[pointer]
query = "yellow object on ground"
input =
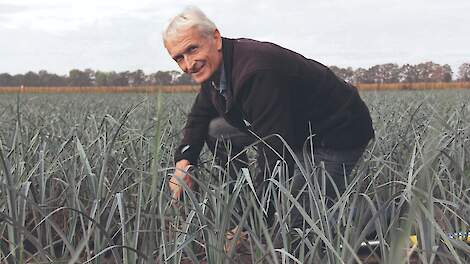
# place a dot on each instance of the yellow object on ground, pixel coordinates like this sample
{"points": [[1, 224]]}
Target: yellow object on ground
{"points": [[463, 236]]}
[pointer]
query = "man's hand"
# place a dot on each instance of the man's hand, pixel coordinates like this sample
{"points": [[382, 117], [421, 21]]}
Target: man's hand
{"points": [[181, 172]]}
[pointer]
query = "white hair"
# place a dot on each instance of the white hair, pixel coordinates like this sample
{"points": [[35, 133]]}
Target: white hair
{"points": [[190, 17]]}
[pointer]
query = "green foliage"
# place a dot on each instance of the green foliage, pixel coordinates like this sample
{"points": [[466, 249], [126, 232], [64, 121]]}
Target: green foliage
{"points": [[84, 179]]}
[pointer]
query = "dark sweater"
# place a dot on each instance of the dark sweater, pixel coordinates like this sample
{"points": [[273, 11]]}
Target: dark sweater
{"points": [[273, 90]]}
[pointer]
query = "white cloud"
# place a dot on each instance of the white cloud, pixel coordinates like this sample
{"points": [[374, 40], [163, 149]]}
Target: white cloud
{"points": [[124, 34]]}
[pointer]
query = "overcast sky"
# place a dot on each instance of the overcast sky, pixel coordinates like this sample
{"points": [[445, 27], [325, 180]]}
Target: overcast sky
{"points": [[60, 35]]}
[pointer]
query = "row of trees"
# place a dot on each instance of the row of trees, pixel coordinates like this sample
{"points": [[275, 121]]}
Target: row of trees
{"points": [[408, 73], [383, 73], [89, 77]]}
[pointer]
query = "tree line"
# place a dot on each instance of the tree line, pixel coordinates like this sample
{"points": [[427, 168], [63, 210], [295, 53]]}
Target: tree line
{"points": [[89, 77], [407, 73], [383, 73]]}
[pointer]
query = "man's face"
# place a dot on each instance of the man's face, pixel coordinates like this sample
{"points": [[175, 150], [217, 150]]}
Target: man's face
{"points": [[195, 53]]}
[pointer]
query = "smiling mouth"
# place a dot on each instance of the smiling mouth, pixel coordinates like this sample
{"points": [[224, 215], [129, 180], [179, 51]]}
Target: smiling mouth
{"points": [[197, 68]]}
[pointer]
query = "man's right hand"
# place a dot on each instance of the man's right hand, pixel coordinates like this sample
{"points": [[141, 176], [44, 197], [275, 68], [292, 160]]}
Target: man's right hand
{"points": [[181, 173]]}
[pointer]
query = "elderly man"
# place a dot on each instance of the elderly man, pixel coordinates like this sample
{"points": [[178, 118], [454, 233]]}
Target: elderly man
{"points": [[251, 90]]}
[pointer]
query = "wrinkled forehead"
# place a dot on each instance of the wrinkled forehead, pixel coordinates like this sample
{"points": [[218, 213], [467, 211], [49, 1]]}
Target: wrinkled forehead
{"points": [[182, 32], [190, 34]]}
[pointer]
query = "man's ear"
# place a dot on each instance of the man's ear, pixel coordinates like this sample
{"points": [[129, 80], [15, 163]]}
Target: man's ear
{"points": [[218, 39]]}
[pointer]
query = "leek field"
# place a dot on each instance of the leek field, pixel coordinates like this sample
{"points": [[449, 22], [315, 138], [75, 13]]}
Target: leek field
{"points": [[84, 179]]}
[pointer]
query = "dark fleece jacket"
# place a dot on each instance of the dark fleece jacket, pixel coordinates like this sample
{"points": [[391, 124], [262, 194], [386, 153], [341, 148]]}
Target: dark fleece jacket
{"points": [[275, 91]]}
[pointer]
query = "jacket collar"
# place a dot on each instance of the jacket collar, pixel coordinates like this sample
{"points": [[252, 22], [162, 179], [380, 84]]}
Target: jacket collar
{"points": [[227, 55], [227, 58]]}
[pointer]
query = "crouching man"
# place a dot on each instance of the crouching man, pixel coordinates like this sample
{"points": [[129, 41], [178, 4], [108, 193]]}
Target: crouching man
{"points": [[251, 90]]}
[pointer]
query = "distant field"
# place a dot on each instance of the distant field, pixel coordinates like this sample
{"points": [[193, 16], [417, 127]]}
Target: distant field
{"points": [[84, 179], [103, 89], [195, 88]]}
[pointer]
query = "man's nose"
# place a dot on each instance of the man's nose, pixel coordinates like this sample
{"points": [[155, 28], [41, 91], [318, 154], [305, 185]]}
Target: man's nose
{"points": [[189, 63]]}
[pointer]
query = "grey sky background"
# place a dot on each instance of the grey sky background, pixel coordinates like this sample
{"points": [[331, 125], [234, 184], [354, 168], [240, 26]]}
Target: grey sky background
{"points": [[60, 35]]}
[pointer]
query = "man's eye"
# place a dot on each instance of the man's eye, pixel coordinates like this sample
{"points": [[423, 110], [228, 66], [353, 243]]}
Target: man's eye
{"points": [[192, 49], [178, 59]]}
